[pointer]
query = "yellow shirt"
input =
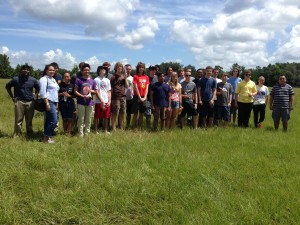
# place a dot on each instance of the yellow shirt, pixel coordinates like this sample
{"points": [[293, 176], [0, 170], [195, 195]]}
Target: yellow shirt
{"points": [[243, 89]]}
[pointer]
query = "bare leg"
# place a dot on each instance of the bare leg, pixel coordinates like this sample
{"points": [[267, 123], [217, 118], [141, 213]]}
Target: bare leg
{"points": [[140, 120], [134, 120], [121, 121], [276, 124], [285, 126], [195, 122], [96, 121], [128, 119], [173, 118], [113, 121]]}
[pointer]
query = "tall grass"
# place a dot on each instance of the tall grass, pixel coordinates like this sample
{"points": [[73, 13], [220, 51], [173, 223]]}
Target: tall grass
{"points": [[214, 176]]}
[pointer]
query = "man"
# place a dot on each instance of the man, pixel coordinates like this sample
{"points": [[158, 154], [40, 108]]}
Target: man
{"points": [[180, 75], [196, 80], [109, 75], [244, 97], [152, 79], [189, 100], [224, 97], [207, 93], [281, 102], [160, 101], [129, 94], [234, 80], [216, 116], [23, 99]]}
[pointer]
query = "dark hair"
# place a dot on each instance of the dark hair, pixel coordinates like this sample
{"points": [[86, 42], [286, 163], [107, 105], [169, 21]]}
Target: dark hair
{"points": [[25, 67], [46, 68], [127, 65], [55, 65], [80, 65], [106, 64], [85, 65]]}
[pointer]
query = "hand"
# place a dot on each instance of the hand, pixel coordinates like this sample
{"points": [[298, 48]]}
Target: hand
{"points": [[200, 102], [195, 106], [48, 107], [211, 103]]}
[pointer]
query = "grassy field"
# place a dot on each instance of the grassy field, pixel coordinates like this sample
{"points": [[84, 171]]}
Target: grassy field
{"points": [[214, 176]]}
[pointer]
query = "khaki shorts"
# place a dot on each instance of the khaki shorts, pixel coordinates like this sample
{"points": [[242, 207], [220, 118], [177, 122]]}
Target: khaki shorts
{"points": [[118, 105]]}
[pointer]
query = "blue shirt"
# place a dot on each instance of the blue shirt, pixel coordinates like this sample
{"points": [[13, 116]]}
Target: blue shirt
{"points": [[234, 82], [160, 94], [23, 87], [207, 86], [49, 88]]}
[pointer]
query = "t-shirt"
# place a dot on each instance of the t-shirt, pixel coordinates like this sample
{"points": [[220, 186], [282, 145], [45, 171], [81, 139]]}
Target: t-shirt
{"points": [[234, 81], [117, 83], [223, 100], [152, 81], [141, 82], [103, 86], [69, 88], [281, 95], [188, 88], [129, 90], [160, 94], [84, 87], [260, 97], [207, 86], [175, 93], [243, 89]]}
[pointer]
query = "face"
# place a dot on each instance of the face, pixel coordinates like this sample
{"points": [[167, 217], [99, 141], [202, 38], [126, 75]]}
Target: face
{"points": [[216, 72], [152, 72], [235, 73], [141, 70], [25, 72], [128, 69], [120, 69], [247, 75], [187, 75], [282, 80], [174, 77], [50, 71], [161, 78], [170, 70], [85, 71], [261, 81], [67, 78], [208, 72], [199, 73], [224, 78]]}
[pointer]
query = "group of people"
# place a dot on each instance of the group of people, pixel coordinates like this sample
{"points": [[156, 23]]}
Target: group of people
{"points": [[169, 98]]}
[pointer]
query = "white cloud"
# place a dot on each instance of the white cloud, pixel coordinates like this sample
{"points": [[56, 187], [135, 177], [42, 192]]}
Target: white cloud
{"points": [[289, 51], [238, 37], [98, 16], [145, 32]]}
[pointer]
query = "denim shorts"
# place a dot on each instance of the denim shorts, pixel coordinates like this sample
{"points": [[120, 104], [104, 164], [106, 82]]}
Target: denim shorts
{"points": [[282, 113], [175, 105]]}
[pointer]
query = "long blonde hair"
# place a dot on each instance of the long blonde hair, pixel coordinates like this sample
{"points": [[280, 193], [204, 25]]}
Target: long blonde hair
{"points": [[175, 84]]}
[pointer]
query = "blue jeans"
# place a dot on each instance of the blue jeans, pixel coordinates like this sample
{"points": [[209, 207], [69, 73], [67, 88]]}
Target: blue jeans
{"points": [[50, 120]]}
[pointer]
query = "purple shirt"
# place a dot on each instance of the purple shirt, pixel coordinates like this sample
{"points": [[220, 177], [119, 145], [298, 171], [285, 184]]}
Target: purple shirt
{"points": [[84, 87]]}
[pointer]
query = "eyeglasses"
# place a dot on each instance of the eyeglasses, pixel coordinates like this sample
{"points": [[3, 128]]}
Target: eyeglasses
{"points": [[187, 75]]}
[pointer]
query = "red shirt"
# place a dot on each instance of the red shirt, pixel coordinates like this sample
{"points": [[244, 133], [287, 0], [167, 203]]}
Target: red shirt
{"points": [[142, 82]]}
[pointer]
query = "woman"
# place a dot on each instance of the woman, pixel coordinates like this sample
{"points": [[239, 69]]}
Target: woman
{"points": [[85, 86], [175, 100], [66, 102], [118, 97], [260, 102], [49, 92]]}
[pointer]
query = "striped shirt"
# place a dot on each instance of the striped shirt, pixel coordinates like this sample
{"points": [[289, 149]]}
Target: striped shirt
{"points": [[281, 95]]}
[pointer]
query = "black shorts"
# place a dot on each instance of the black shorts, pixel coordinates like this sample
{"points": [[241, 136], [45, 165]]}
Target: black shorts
{"points": [[188, 108], [138, 106], [207, 110]]}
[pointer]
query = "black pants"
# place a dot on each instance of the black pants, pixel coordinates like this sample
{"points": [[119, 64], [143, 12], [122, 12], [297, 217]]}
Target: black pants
{"points": [[244, 112], [259, 112]]}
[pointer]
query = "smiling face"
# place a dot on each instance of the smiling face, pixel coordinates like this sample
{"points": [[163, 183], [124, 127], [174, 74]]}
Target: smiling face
{"points": [[50, 71]]}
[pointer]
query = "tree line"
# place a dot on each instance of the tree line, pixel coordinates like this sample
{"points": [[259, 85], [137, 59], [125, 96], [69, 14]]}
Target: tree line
{"points": [[270, 72]]}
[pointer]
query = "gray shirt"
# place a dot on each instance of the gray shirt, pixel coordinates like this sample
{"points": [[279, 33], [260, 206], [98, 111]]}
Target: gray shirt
{"points": [[188, 88]]}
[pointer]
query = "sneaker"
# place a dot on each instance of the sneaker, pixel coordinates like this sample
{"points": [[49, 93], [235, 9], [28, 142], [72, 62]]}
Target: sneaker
{"points": [[48, 140], [260, 125], [106, 132]]}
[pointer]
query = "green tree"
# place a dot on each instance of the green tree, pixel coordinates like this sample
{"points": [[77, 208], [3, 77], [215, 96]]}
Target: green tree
{"points": [[5, 69]]}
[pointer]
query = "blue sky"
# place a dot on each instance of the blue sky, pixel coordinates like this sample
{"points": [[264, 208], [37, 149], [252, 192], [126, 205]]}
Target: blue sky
{"points": [[218, 32]]}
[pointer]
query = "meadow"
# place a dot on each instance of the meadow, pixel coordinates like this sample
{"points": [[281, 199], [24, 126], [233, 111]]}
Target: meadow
{"points": [[213, 176]]}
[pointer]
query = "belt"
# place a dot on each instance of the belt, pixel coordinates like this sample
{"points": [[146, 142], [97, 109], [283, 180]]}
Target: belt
{"points": [[25, 100]]}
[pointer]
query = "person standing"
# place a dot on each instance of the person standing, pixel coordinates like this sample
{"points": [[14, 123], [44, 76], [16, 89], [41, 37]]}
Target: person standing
{"points": [[189, 100], [260, 102], [176, 100], [224, 97], [103, 99], [281, 102], [84, 88], [23, 99], [244, 96], [129, 94], [140, 87], [49, 92], [234, 80], [66, 102], [118, 84], [207, 93], [160, 101]]}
